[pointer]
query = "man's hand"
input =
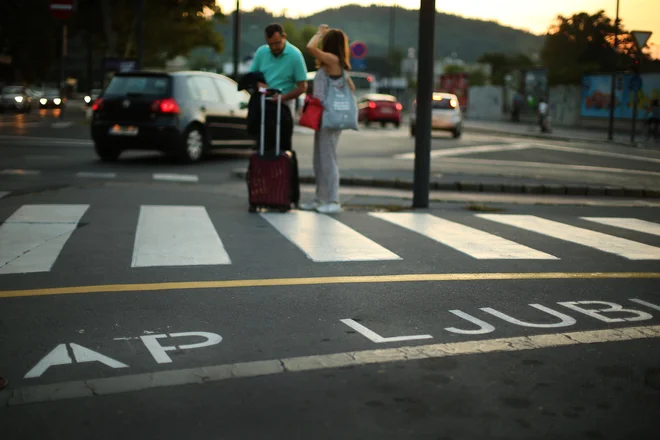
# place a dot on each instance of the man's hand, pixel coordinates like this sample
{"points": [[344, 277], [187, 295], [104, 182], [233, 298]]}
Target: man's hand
{"points": [[262, 85]]}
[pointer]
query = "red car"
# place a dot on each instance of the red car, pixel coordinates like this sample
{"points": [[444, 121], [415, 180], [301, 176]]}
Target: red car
{"points": [[379, 108]]}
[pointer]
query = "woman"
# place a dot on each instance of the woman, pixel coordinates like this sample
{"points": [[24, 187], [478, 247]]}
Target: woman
{"points": [[332, 61]]}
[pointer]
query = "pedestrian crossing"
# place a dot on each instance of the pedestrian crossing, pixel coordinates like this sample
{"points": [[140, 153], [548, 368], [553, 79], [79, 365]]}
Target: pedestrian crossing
{"points": [[33, 237]]}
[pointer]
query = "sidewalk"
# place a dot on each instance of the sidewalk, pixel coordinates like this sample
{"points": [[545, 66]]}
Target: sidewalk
{"points": [[531, 129]]}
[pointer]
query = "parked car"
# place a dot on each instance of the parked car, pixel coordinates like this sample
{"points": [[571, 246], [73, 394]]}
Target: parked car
{"points": [[446, 114], [15, 98], [381, 108], [52, 98], [185, 114]]}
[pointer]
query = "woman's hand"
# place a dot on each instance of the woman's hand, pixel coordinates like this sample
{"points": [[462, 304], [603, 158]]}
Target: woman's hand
{"points": [[323, 29]]}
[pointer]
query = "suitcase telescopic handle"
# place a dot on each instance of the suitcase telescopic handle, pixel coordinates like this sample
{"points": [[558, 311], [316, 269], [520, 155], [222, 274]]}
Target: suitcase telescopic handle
{"points": [[270, 92]]}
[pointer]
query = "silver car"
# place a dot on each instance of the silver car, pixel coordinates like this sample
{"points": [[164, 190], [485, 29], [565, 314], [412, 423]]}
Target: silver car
{"points": [[446, 114], [15, 98]]}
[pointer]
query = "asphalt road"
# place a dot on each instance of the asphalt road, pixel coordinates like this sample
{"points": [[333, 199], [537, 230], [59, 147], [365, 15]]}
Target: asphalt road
{"points": [[139, 308], [62, 147]]}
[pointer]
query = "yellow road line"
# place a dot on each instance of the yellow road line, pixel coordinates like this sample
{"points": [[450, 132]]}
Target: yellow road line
{"points": [[279, 282]]}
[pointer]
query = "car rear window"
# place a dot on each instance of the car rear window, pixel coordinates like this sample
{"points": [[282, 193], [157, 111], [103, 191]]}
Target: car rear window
{"points": [[443, 104], [143, 85]]}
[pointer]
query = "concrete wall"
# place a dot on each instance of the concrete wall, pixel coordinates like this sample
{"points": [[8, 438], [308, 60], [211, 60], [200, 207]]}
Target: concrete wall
{"points": [[565, 105], [485, 103]]}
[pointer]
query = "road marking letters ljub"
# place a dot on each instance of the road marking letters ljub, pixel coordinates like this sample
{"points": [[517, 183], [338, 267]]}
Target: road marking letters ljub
{"points": [[629, 249], [324, 239], [470, 241], [375, 337], [177, 236], [33, 237]]}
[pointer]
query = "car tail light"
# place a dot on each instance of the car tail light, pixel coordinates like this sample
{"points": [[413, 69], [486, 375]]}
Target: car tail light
{"points": [[399, 107], [372, 105], [167, 105], [98, 104]]}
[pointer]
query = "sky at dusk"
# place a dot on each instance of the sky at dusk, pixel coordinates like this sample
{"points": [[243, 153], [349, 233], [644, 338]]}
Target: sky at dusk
{"points": [[533, 16]]}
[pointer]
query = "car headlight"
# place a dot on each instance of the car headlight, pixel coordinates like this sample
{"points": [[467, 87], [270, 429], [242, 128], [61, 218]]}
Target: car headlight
{"points": [[88, 99], [43, 101], [18, 98], [57, 101]]}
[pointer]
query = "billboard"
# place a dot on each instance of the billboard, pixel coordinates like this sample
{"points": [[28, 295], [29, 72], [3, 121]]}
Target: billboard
{"points": [[595, 99]]}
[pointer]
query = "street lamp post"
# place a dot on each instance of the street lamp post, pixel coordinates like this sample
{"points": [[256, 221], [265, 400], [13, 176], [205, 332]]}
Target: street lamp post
{"points": [[237, 36], [610, 134]]}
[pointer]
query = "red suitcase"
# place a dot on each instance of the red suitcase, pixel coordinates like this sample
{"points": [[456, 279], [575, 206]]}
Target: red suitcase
{"points": [[270, 176]]}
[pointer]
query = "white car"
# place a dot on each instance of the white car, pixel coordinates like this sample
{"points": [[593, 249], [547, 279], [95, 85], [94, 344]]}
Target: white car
{"points": [[446, 114]]}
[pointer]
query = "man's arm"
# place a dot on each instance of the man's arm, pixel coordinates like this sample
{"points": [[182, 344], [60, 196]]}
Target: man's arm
{"points": [[301, 87], [300, 76]]}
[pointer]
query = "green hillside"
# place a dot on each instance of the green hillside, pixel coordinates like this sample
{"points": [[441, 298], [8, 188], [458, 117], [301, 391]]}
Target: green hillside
{"points": [[468, 38]]}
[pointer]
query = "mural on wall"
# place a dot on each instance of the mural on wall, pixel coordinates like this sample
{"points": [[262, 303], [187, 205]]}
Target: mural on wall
{"points": [[595, 100]]}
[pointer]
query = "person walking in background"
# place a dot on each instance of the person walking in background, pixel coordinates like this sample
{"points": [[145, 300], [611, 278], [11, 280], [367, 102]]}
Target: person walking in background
{"points": [[332, 60]]}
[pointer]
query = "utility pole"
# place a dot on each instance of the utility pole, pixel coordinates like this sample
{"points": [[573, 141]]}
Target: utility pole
{"points": [[610, 133], [424, 102], [390, 49], [237, 37], [140, 34]]}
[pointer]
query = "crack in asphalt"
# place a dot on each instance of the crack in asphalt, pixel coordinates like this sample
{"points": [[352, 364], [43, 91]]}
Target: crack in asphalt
{"points": [[34, 248]]}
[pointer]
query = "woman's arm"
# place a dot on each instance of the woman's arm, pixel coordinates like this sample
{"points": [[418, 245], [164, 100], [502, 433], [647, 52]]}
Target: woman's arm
{"points": [[351, 84], [313, 47]]}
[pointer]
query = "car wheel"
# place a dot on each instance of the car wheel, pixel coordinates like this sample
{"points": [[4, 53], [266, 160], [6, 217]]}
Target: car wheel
{"points": [[456, 132], [106, 153], [412, 131], [193, 144], [397, 124], [383, 124]]}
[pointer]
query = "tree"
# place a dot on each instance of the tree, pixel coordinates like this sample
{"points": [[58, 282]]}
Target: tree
{"points": [[501, 64], [31, 36], [300, 38], [583, 43], [171, 27]]}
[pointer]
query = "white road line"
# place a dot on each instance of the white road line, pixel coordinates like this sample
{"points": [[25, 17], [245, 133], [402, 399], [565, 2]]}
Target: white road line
{"points": [[216, 373], [3, 193], [33, 237], [459, 151], [629, 249], [76, 142], [470, 241], [96, 175], [554, 166], [633, 224], [596, 153], [20, 172], [176, 177], [176, 236], [324, 239]]}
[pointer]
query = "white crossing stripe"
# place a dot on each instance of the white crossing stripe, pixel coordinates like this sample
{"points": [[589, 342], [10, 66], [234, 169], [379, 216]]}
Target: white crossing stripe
{"points": [[96, 175], [176, 236], [634, 224], [324, 239], [33, 237], [470, 241], [629, 249], [176, 177], [3, 193]]}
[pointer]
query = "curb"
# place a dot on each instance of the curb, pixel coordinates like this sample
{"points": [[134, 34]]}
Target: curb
{"points": [[549, 137], [505, 188]]}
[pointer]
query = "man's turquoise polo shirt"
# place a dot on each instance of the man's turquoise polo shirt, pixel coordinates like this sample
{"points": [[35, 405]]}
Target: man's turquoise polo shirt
{"points": [[283, 71]]}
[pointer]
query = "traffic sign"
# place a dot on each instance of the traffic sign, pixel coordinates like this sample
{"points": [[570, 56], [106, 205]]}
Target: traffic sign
{"points": [[636, 83], [61, 9], [358, 50], [641, 38], [358, 64]]}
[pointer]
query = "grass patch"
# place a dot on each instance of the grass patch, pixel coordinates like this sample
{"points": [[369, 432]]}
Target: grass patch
{"points": [[482, 208]]}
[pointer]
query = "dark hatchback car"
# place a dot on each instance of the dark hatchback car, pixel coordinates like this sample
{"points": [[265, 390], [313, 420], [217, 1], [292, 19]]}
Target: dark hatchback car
{"points": [[185, 114]]}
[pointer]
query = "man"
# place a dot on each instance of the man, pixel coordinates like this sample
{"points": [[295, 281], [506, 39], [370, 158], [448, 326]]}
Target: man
{"points": [[282, 65]]}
